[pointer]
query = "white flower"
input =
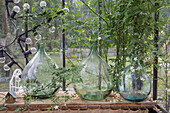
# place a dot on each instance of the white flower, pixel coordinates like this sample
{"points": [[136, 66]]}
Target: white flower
{"points": [[145, 60], [117, 74], [43, 4], [168, 64], [160, 65], [168, 90], [133, 70], [162, 32], [56, 107], [122, 72], [66, 9], [26, 6], [138, 68], [99, 38], [142, 79], [135, 59], [125, 48]]}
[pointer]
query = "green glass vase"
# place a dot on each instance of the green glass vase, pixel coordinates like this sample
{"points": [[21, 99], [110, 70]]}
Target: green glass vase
{"points": [[37, 78], [94, 81], [135, 83]]}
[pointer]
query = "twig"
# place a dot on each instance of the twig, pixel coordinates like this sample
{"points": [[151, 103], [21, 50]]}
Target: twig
{"points": [[94, 12], [34, 28]]}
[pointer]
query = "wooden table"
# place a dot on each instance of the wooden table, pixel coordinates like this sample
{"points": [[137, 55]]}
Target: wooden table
{"points": [[76, 105]]}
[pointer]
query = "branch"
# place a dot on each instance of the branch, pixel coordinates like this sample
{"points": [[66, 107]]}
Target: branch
{"points": [[33, 29], [94, 12]]}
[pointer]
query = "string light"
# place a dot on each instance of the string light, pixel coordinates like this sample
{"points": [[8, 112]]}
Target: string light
{"points": [[26, 40], [43, 4], [52, 29], [16, 1], [8, 66], [26, 6], [33, 50], [38, 37], [16, 10]]}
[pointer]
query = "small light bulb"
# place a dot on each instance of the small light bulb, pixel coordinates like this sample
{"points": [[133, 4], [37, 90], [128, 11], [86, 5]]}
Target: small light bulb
{"points": [[43, 4], [6, 67], [28, 41], [33, 50], [26, 6], [52, 29], [38, 37], [16, 1], [66, 9], [16, 9], [2, 59]]}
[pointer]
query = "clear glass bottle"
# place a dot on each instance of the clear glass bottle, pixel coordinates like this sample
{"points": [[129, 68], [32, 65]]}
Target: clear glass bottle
{"points": [[135, 83], [94, 81], [37, 77]]}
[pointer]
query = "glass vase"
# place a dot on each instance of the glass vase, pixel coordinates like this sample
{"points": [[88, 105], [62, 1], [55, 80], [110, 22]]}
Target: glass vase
{"points": [[37, 78], [94, 80], [135, 83]]}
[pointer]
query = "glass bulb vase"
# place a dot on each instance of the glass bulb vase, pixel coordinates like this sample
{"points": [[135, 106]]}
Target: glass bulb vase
{"points": [[135, 83], [37, 78], [94, 81]]}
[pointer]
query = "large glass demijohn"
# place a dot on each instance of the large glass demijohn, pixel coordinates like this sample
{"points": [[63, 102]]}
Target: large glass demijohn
{"points": [[37, 77], [135, 83], [94, 81]]}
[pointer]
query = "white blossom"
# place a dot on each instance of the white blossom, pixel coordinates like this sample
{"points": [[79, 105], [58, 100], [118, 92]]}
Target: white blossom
{"points": [[99, 38], [122, 72], [43, 4], [168, 64], [133, 70], [26, 6], [162, 32], [168, 90], [117, 74], [160, 65], [138, 68], [135, 59], [56, 107], [142, 79]]}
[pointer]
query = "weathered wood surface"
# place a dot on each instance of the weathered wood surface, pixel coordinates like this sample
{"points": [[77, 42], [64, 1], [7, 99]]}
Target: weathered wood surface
{"points": [[80, 105]]}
